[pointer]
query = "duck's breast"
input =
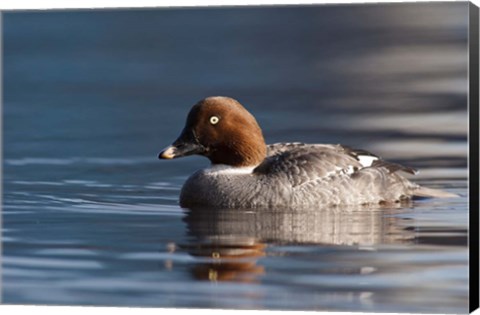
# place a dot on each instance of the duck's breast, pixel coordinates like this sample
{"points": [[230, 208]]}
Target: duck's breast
{"points": [[227, 187]]}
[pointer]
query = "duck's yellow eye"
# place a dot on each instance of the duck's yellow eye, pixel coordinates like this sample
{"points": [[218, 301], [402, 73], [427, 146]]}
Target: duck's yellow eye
{"points": [[214, 120]]}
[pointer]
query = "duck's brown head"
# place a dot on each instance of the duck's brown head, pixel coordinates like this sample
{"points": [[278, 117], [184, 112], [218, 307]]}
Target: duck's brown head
{"points": [[221, 129]]}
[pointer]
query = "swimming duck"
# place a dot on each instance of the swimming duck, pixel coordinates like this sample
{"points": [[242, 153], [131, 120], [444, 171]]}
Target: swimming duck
{"points": [[247, 173]]}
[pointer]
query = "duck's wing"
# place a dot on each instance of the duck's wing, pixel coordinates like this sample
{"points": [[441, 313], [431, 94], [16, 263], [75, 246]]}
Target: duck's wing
{"points": [[302, 163], [368, 159]]}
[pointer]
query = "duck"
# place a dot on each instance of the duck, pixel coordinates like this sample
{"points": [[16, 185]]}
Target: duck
{"points": [[247, 173]]}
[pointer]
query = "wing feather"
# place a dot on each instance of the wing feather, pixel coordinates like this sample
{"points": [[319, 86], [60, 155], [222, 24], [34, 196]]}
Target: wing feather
{"points": [[303, 163]]}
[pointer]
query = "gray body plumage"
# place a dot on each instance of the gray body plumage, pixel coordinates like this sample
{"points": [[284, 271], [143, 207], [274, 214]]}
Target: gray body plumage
{"points": [[301, 175]]}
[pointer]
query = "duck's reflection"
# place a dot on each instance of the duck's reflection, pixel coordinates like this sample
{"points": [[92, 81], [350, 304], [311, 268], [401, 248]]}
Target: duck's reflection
{"points": [[228, 258], [229, 242]]}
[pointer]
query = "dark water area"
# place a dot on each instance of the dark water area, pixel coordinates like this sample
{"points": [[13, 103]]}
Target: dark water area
{"points": [[91, 216]]}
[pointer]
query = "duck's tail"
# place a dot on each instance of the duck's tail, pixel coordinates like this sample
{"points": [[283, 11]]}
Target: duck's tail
{"points": [[433, 193]]}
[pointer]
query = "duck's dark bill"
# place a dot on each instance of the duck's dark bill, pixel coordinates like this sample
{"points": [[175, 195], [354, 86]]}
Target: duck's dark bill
{"points": [[179, 149], [186, 144]]}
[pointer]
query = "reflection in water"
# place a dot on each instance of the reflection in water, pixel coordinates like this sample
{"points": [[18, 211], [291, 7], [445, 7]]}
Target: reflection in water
{"points": [[232, 240], [230, 259]]}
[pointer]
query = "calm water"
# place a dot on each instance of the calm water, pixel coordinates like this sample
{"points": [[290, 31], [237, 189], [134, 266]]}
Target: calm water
{"points": [[90, 216]]}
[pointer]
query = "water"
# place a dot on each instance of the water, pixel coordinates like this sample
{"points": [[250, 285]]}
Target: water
{"points": [[90, 216]]}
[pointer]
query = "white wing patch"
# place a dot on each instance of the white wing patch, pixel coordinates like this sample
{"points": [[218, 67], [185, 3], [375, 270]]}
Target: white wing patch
{"points": [[366, 160]]}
